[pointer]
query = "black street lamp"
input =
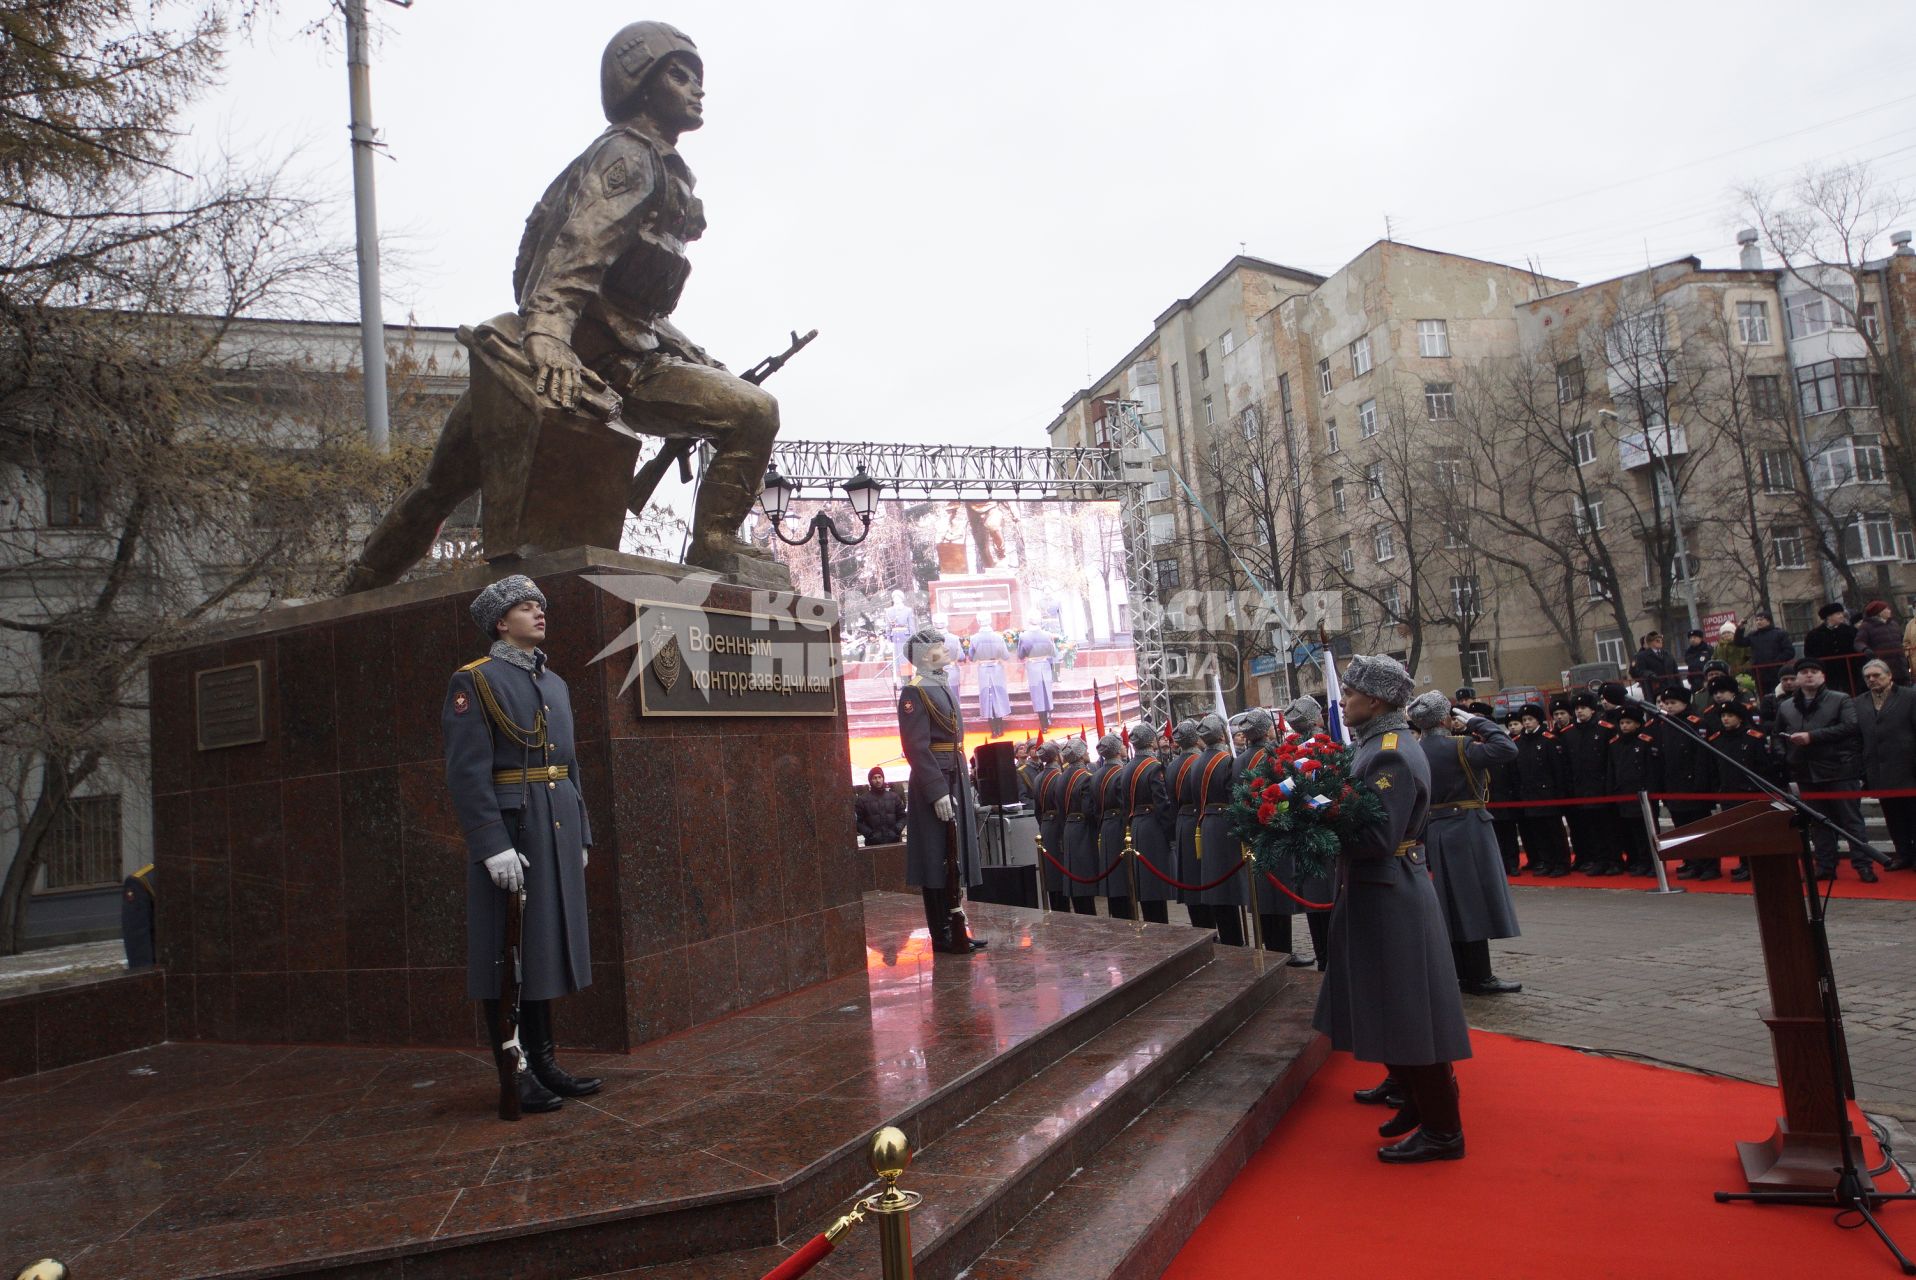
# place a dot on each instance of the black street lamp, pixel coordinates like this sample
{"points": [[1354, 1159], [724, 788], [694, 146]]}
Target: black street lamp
{"points": [[775, 498]]}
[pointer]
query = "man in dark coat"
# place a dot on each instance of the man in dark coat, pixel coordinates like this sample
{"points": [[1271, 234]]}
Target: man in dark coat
{"points": [[1050, 802], [1586, 752], [1739, 737], [1505, 786], [1696, 654], [931, 729], [1390, 992], [1654, 665], [1678, 754], [1833, 644], [1770, 647], [1218, 849], [514, 779], [1886, 717], [1190, 751], [1150, 820], [1106, 777], [1081, 822], [1539, 770], [1631, 768], [1879, 637], [1465, 865], [880, 811], [1825, 755]]}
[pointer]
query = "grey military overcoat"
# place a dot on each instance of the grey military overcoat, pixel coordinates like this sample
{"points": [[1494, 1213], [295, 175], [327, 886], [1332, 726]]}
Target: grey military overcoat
{"points": [[1459, 837], [1107, 784], [1312, 889], [544, 820], [1080, 830], [1390, 990], [1153, 821], [1216, 773], [931, 729]]}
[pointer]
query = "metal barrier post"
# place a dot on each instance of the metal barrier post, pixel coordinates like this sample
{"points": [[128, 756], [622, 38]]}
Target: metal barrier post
{"points": [[1131, 877], [1656, 846], [1250, 902], [890, 1156], [1044, 895]]}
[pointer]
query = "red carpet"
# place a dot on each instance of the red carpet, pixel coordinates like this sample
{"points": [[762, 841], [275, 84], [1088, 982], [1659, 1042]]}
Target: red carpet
{"points": [[1578, 1166], [1891, 886]]}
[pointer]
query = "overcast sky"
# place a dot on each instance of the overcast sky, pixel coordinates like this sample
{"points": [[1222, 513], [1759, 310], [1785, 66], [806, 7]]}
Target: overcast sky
{"points": [[976, 204]]}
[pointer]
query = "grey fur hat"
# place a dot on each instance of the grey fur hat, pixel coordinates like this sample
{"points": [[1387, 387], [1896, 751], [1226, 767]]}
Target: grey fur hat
{"points": [[1144, 736], [1186, 734], [1212, 728], [1381, 676], [1304, 710], [1048, 752], [491, 604], [1110, 746], [1076, 752], [1427, 710], [1256, 723], [924, 638]]}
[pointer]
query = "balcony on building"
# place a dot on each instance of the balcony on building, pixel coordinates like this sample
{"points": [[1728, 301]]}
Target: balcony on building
{"points": [[1644, 448]]}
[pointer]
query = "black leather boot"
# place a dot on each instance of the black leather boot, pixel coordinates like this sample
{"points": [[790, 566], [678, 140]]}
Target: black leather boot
{"points": [[540, 1050], [534, 1097], [1385, 1093], [937, 919], [1434, 1095]]}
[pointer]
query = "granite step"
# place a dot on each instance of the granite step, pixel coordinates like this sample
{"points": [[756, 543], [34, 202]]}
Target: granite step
{"points": [[987, 1175]]}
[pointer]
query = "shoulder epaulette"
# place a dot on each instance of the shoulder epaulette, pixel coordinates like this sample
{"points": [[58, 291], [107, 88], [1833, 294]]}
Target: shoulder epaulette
{"points": [[476, 663], [915, 681], [1754, 733], [1388, 743], [1549, 736]]}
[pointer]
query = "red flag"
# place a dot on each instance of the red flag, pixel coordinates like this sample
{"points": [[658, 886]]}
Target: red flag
{"points": [[1124, 735], [1097, 706]]}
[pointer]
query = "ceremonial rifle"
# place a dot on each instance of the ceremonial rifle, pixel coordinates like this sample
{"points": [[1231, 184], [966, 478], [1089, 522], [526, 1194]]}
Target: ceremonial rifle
{"points": [[680, 450], [509, 1053]]}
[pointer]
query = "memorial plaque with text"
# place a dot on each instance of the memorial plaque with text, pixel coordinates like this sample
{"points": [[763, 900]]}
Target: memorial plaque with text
{"points": [[229, 708], [717, 662]]}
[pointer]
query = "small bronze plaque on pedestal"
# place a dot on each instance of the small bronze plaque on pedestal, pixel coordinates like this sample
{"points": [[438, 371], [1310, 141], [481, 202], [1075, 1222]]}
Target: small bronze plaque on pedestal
{"points": [[229, 708], [720, 662]]}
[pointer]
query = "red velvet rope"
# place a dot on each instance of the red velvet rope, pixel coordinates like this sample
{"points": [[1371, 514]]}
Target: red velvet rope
{"points": [[1304, 903], [1179, 884], [809, 1255], [1884, 793], [1063, 871]]}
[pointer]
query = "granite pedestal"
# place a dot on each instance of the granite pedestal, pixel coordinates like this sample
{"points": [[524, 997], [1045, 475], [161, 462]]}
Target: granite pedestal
{"points": [[315, 879]]}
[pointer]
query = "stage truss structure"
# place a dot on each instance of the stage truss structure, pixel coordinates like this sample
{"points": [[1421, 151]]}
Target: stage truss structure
{"points": [[1120, 472]]}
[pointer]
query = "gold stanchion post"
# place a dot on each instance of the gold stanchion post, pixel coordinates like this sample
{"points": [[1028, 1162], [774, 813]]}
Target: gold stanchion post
{"points": [[1250, 902], [1131, 876], [1044, 898], [891, 1155]]}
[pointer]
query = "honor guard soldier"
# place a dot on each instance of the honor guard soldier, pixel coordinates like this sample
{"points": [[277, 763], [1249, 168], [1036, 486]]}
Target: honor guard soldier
{"points": [[939, 811], [515, 787], [988, 654], [1539, 770], [1080, 828], [1304, 718], [1107, 776], [1465, 864], [1051, 822], [1274, 908], [1189, 750], [1151, 819], [1214, 775], [1390, 992], [1039, 651]]}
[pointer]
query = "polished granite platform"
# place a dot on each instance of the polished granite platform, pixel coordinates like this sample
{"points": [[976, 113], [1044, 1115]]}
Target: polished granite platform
{"points": [[1012, 1070]]}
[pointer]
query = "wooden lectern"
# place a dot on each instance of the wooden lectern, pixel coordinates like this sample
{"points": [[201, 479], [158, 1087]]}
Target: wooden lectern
{"points": [[1804, 1152]]}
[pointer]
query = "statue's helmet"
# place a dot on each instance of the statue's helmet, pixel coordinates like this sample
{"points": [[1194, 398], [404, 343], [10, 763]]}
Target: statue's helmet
{"points": [[632, 56]]}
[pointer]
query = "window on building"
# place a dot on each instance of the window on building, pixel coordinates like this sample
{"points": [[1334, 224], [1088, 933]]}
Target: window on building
{"points": [[1360, 356], [1766, 395], [1779, 470], [1367, 419], [1867, 321], [1799, 616], [1204, 363], [1353, 611], [1583, 446], [1440, 401], [1346, 554], [1682, 568], [1786, 541], [1247, 423], [1596, 586], [1324, 375], [1163, 528], [73, 499], [1337, 496], [1589, 513], [1474, 658], [1393, 603], [83, 845], [1170, 576], [1570, 380], [1330, 435], [1160, 486], [1464, 600], [1284, 398], [1849, 460], [1226, 342], [1753, 322], [1374, 481], [1874, 535], [1384, 543], [1433, 338], [1829, 385], [1610, 646], [1210, 412], [1450, 467], [1177, 395], [1813, 313]]}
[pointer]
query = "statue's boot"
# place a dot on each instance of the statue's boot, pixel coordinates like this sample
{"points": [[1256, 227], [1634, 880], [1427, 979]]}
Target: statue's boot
{"points": [[406, 533], [726, 493]]}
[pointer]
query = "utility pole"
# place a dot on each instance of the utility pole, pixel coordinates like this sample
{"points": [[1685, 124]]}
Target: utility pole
{"points": [[372, 322]]}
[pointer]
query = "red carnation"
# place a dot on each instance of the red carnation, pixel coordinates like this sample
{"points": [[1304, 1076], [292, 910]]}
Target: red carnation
{"points": [[1308, 766], [1265, 812]]}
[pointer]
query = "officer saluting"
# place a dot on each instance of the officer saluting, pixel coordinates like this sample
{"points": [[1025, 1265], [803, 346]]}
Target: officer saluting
{"points": [[931, 729], [1390, 991], [515, 786]]}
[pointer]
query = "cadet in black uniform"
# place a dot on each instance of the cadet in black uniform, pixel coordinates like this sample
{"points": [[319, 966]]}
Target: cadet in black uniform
{"points": [[1539, 768], [1679, 767], [1586, 751], [1632, 768], [1746, 743]]}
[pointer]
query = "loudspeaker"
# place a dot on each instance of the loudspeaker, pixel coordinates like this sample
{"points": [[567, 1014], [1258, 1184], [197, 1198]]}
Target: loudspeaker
{"points": [[997, 773]]}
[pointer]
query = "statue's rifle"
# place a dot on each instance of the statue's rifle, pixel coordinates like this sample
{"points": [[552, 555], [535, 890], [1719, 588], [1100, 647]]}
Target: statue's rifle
{"points": [[680, 450]]}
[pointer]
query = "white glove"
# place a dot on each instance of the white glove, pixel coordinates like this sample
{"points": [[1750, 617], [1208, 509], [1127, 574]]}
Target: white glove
{"points": [[585, 857], [508, 869], [1465, 716], [944, 808]]}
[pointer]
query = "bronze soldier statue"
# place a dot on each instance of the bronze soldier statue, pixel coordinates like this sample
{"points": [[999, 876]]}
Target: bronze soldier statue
{"points": [[600, 269]]}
